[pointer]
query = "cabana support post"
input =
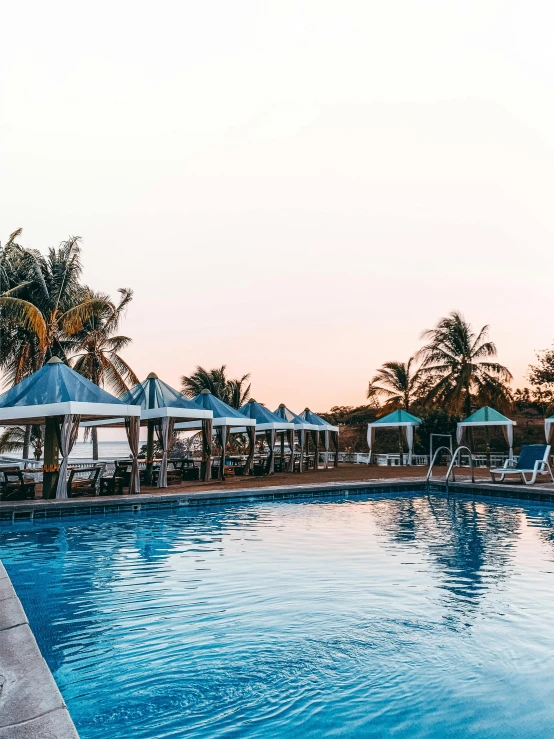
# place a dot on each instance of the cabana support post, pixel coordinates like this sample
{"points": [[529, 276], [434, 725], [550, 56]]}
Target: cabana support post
{"points": [[269, 424], [325, 428]]}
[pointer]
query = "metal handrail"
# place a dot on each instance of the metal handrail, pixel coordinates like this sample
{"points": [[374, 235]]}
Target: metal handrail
{"points": [[459, 449], [435, 455]]}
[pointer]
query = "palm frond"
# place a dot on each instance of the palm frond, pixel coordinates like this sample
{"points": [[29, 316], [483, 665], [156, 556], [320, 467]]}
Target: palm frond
{"points": [[25, 315]]}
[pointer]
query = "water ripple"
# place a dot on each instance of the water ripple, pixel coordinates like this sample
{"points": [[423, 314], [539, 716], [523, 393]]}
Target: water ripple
{"points": [[358, 618]]}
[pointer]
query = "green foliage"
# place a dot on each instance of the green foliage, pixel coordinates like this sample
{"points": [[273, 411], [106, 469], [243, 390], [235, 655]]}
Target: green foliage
{"points": [[435, 421], [541, 376], [457, 363], [12, 439], [348, 415], [233, 392], [397, 383], [46, 311]]}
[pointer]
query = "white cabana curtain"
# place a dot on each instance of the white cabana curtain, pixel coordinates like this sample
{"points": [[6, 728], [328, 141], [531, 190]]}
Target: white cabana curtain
{"points": [[548, 430], [132, 427], [509, 436], [164, 432], [409, 431], [68, 430], [301, 439], [370, 440], [290, 439], [508, 430], [326, 442]]}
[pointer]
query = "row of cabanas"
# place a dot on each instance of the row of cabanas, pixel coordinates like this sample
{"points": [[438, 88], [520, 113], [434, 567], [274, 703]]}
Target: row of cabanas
{"points": [[484, 417], [62, 401]]}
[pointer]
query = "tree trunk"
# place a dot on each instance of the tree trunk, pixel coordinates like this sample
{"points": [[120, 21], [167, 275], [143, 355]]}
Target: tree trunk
{"points": [[26, 442], [94, 437]]}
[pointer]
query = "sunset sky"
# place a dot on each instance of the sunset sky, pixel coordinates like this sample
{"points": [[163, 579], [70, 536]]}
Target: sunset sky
{"points": [[295, 189]]}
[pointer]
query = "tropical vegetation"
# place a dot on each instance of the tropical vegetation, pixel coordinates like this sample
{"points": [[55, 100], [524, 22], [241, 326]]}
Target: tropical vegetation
{"points": [[234, 392], [46, 311]]}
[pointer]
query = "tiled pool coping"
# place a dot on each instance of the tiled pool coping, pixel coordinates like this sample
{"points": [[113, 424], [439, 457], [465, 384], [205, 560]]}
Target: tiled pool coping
{"points": [[31, 705], [39, 509]]}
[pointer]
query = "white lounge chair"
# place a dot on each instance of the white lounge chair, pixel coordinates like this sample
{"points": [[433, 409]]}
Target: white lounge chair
{"points": [[533, 460]]}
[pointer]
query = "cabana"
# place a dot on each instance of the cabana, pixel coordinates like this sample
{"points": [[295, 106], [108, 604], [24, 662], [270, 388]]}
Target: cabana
{"points": [[270, 424], [400, 419], [226, 420], [160, 405], [59, 399], [488, 417], [300, 426], [327, 429]]}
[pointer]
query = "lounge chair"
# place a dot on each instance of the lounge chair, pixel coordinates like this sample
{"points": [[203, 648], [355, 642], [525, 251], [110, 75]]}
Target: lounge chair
{"points": [[15, 486], [533, 460], [84, 485]]}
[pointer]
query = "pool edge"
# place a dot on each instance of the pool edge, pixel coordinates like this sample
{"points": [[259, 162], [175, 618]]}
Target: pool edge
{"points": [[42, 510], [31, 704]]}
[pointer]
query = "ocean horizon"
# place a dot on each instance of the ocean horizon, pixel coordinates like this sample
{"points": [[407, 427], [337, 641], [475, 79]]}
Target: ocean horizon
{"points": [[83, 450]]}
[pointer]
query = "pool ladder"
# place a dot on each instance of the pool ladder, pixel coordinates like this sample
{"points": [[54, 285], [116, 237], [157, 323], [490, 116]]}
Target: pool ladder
{"points": [[454, 456]]}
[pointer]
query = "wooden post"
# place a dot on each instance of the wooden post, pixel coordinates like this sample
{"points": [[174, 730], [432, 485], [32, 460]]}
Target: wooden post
{"points": [[149, 454], [51, 458]]}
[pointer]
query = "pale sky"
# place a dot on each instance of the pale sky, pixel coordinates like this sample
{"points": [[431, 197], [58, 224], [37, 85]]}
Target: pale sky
{"points": [[295, 189]]}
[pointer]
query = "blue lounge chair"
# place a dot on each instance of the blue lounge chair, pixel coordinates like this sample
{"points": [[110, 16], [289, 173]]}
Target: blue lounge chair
{"points": [[532, 460]]}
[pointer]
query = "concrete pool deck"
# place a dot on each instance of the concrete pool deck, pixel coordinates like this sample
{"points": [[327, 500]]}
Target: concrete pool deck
{"points": [[31, 705]]}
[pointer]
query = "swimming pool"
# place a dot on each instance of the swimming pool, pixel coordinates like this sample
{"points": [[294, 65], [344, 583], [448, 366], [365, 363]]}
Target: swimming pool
{"points": [[401, 616]]}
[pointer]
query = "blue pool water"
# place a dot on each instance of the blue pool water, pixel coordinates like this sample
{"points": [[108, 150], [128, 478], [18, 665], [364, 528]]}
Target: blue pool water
{"points": [[402, 617]]}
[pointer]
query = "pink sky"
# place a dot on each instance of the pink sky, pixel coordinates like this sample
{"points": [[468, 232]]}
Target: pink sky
{"points": [[295, 189]]}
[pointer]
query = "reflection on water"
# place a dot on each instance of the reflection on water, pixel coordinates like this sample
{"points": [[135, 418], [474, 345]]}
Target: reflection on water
{"points": [[365, 617]]}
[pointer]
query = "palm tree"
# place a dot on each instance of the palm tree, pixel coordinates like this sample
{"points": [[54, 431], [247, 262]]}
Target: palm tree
{"points": [[13, 439], [238, 391], [98, 351], [233, 392], [42, 304], [457, 363], [55, 305], [397, 383]]}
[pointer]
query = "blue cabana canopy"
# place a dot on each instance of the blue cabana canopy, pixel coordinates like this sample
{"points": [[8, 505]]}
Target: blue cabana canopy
{"points": [[157, 399], [264, 418], [57, 390], [321, 423], [299, 423], [223, 414]]}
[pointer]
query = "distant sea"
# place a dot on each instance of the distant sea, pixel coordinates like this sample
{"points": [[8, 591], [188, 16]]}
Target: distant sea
{"points": [[106, 450], [83, 450]]}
